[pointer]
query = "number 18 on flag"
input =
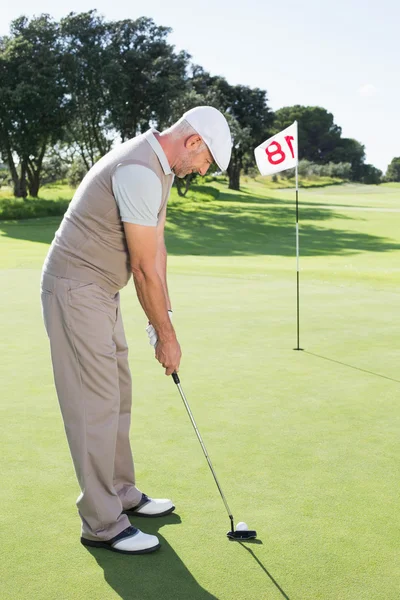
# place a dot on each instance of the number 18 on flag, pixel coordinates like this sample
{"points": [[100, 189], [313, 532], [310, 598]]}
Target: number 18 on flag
{"points": [[279, 152]]}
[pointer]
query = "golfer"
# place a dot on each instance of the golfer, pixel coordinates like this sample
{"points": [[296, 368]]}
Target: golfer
{"points": [[114, 227]]}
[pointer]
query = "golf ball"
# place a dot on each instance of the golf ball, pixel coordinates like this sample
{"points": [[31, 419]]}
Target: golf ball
{"points": [[241, 526]]}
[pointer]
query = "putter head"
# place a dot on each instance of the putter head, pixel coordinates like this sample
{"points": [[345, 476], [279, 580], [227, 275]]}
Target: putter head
{"points": [[248, 534]]}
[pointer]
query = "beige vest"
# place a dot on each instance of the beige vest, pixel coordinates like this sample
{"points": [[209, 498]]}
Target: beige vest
{"points": [[90, 244]]}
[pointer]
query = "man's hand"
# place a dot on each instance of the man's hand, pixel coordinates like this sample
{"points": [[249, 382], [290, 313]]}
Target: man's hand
{"points": [[168, 353], [151, 332]]}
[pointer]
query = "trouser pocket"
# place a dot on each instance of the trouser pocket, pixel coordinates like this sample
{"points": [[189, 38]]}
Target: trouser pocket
{"points": [[47, 297]]}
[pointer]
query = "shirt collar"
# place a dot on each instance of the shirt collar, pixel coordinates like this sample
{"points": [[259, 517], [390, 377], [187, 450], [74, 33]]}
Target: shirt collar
{"points": [[155, 144]]}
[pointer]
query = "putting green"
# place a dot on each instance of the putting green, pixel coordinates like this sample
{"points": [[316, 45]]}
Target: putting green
{"points": [[305, 444]]}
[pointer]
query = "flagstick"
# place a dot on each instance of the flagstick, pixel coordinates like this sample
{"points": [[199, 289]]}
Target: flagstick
{"points": [[298, 260], [267, 164]]}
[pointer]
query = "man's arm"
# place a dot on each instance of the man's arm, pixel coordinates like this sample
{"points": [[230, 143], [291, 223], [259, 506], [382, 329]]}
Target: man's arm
{"points": [[161, 256], [138, 193], [143, 248]]}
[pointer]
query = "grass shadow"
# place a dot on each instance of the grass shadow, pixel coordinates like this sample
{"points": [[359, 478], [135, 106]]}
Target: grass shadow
{"points": [[146, 577], [215, 229]]}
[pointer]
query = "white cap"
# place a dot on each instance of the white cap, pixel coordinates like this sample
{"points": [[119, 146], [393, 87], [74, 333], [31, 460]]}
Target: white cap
{"points": [[212, 126]]}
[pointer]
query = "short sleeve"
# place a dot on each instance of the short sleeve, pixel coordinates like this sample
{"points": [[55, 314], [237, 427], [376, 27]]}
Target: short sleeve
{"points": [[138, 193]]}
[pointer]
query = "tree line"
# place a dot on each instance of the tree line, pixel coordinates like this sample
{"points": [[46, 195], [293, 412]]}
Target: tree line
{"points": [[70, 89]]}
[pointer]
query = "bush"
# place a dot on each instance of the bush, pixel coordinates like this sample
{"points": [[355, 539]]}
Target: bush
{"points": [[368, 174], [252, 172], [303, 168], [310, 170], [340, 170], [17, 208], [371, 175], [5, 177], [76, 172], [54, 169], [393, 170]]}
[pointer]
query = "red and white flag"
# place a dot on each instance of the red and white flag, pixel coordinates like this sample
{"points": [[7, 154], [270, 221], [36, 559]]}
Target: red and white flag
{"points": [[278, 153]]}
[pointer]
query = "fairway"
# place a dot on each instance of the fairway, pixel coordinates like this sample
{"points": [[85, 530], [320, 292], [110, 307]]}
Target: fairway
{"points": [[306, 444]]}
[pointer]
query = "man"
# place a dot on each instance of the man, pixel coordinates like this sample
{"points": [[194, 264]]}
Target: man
{"points": [[114, 228]]}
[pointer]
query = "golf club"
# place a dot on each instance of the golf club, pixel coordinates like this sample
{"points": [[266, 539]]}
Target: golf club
{"points": [[241, 532]]}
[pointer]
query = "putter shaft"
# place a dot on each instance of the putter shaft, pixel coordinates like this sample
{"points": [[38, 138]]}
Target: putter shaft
{"points": [[176, 379]]}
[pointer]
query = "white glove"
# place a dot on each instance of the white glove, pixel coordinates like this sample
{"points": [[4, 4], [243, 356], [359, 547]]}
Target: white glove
{"points": [[151, 332]]}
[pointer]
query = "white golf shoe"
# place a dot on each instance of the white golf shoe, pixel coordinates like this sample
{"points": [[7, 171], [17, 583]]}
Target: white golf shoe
{"points": [[151, 507], [129, 541]]}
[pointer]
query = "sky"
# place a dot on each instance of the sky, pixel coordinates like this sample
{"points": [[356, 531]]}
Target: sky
{"points": [[342, 55]]}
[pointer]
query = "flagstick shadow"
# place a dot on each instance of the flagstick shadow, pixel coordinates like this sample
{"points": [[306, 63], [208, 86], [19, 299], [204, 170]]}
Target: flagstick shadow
{"points": [[351, 366], [276, 584]]}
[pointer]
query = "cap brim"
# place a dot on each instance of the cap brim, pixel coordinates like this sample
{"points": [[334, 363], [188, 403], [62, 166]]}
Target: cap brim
{"points": [[220, 164]]}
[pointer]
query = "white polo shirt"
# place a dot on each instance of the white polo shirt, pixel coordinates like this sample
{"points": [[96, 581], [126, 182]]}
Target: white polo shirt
{"points": [[138, 190]]}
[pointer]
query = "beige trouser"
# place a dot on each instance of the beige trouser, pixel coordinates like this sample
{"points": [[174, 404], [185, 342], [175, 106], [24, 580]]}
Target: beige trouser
{"points": [[93, 381]]}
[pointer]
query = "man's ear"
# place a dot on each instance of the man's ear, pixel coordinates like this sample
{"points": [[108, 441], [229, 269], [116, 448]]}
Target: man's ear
{"points": [[193, 142]]}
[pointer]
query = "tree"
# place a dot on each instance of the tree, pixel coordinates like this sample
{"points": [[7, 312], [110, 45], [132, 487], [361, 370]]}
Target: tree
{"points": [[215, 90], [318, 134], [350, 151], [189, 99], [76, 172], [55, 167], [320, 138], [241, 138], [370, 175], [32, 98], [4, 175], [250, 109], [144, 75], [250, 117], [393, 170], [85, 38]]}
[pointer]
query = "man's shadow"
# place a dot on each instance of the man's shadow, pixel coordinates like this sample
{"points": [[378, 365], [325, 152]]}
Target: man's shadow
{"points": [[150, 576]]}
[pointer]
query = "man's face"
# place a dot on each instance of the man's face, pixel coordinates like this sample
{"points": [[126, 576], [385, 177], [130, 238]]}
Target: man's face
{"points": [[194, 158]]}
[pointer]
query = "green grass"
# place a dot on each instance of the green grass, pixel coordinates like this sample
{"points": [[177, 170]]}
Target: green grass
{"points": [[305, 444]]}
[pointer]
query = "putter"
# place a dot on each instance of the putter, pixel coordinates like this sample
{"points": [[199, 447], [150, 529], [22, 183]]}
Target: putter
{"points": [[243, 534]]}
